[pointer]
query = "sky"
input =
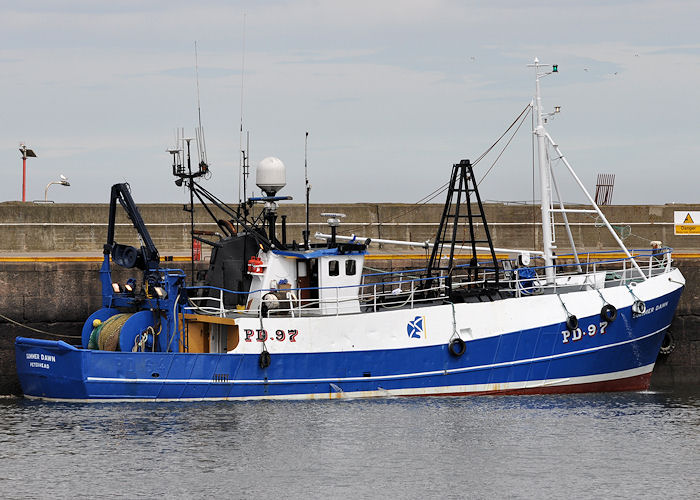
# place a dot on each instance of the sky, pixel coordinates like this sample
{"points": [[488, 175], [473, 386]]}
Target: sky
{"points": [[392, 93]]}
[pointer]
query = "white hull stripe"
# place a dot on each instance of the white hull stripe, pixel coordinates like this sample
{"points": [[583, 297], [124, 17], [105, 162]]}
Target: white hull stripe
{"points": [[423, 391], [384, 377]]}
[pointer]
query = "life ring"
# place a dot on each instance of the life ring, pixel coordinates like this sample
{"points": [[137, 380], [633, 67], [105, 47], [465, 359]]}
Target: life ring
{"points": [[457, 347], [639, 307], [667, 344], [572, 322], [608, 313]]}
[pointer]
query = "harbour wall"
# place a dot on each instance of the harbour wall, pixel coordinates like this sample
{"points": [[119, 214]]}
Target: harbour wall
{"points": [[50, 256], [50, 228]]}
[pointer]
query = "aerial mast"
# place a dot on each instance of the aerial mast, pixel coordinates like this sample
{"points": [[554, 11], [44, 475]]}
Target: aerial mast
{"points": [[543, 139], [548, 246]]}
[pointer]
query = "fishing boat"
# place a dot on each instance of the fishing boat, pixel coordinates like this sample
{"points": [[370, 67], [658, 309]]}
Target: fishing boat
{"points": [[278, 320]]}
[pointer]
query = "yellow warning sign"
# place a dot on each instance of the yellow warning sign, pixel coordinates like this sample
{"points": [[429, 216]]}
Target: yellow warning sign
{"points": [[684, 222]]}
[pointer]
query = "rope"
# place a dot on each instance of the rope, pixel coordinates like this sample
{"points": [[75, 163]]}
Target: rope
{"points": [[632, 293], [454, 324], [39, 331], [563, 305]]}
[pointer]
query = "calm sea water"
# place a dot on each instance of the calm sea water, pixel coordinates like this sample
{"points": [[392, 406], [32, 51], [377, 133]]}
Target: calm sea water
{"points": [[627, 445]]}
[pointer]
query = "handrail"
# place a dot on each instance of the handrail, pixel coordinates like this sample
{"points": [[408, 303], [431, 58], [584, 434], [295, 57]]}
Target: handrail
{"points": [[373, 293]]}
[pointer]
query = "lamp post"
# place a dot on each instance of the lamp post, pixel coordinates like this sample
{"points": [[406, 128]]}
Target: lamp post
{"points": [[62, 182], [26, 153]]}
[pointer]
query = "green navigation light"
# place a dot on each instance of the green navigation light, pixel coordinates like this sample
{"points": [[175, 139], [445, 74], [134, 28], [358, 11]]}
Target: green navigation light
{"points": [[555, 68]]}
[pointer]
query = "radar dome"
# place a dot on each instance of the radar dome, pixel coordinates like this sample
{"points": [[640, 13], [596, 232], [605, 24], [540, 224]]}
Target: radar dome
{"points": [[271, 175]]}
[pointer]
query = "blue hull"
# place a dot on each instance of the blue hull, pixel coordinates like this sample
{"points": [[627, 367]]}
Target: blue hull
{"points": [[530, 361]]}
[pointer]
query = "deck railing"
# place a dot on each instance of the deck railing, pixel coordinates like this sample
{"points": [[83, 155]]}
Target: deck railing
{"points": [[411, 288]]}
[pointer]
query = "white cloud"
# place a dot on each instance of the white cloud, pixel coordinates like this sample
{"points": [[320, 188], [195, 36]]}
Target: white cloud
{"points": [[392, 92]]}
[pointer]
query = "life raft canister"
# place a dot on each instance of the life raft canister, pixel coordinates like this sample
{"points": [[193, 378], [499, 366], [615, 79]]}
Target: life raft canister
{"points": [[255, 265]]}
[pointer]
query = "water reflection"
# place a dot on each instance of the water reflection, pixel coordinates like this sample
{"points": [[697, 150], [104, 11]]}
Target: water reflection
{"points": [[529, 446]]}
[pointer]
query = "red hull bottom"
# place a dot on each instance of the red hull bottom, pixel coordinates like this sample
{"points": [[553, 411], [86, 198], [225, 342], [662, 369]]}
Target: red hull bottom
{"points": [[635, 383]]}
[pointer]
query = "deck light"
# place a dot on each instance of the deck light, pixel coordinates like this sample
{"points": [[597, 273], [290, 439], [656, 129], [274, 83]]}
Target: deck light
{"points": [[116, 288], [129, 286]]}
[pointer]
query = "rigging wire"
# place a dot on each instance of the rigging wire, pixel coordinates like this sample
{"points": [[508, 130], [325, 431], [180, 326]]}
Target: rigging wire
{"points": [[502, 150], [441, 189], [525, 110]]}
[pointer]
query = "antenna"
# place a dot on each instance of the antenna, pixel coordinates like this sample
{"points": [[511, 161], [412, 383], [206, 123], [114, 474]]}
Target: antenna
{"points": [[245, 154], [182, 169], [308, 189], [241, 160], [199, 132]]}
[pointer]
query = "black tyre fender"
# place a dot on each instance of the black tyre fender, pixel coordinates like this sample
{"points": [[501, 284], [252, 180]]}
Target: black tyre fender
{"points": [[608, 313], [264, 360], [457, 347], [572, 322], [667, 344]]}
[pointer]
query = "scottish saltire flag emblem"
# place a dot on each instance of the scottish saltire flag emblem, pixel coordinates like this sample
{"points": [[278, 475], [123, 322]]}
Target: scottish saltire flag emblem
{"points": [[415, 328]]}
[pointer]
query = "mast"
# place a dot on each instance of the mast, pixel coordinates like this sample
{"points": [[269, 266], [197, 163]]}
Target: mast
{"points": [[191, 209], [545, 186]]}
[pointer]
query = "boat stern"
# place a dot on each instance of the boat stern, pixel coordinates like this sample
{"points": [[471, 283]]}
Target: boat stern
{"points": [[49, 369]]}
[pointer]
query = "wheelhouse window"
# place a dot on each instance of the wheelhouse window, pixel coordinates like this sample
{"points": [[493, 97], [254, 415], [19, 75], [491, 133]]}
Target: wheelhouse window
{"points": [[350, 267], [333, 268]]}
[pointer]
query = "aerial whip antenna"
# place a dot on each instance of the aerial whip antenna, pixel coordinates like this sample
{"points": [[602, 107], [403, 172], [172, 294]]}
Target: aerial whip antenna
{"points": [[201, 145], [308, 189], [241, 159]]}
